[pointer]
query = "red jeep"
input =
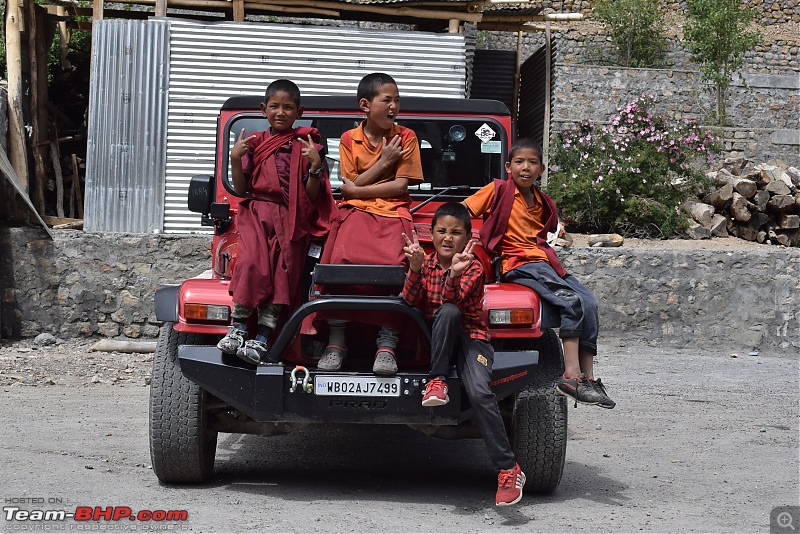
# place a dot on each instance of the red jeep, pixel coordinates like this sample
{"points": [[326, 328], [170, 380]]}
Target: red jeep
{"points": [[197, 391]]}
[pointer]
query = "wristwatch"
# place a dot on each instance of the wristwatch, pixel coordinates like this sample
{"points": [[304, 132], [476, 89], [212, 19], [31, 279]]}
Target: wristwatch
{"points": [[317, 173]]}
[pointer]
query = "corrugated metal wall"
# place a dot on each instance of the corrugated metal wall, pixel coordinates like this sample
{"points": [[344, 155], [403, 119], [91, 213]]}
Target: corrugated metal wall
{"points": [[157, 86], [532, 95], [211, 62], [493, 75], [126, 146]]}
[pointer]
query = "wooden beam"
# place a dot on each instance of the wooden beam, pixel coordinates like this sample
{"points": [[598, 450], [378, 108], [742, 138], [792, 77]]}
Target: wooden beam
{"points": [[394, 10], [17, 145], [161, 8], [76, 185], [548, 51]]}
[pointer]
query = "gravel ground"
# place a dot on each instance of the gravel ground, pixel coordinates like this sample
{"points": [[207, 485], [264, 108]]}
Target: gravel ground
{"points": [[700, 441]]}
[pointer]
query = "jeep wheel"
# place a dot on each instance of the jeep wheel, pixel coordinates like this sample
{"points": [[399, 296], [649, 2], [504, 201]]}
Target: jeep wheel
{"points": [[539, 421], [182, 449]]}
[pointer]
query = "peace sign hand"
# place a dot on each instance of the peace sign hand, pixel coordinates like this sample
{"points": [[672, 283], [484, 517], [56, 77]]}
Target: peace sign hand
{"points": [[241, 146], [311, 154], [461, 260], [413, 251]]}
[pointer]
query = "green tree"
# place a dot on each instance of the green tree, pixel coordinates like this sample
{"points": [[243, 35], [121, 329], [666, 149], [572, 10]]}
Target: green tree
{"points": [[717, 35], [637, 29]]}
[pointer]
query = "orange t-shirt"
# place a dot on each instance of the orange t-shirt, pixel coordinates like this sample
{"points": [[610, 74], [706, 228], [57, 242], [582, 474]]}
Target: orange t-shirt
{"points": [[356, 155], [518, 244]]}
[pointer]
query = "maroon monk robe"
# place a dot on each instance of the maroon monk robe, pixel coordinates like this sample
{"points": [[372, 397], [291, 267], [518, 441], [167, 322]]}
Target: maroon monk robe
{"points": [[274, 236]]}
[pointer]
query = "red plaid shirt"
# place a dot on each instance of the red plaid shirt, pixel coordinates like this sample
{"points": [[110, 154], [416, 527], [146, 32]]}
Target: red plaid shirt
{"points": [[431, 287]]}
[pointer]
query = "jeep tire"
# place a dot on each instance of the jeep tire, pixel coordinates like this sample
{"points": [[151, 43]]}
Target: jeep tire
{"points": [[539, 422], [182, 449]]}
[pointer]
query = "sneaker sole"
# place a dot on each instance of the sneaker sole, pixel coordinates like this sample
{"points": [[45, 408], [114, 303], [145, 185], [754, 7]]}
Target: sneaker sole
{"points": [[435, 401], [573, 397]]}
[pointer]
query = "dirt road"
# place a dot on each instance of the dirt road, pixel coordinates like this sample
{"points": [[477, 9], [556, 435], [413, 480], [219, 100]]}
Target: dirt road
{"points": [[698, 442]]}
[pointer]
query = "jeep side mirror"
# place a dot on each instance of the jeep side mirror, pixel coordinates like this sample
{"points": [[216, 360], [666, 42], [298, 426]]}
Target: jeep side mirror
{"points": [[201, 192]]}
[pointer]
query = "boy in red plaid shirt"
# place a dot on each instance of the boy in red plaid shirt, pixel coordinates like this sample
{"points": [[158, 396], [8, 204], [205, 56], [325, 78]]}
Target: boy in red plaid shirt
{"points": [[447, 285]]}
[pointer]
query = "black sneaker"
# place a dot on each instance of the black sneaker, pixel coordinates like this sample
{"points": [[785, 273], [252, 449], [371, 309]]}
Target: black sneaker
{"points": [[579, 389], [233, 340], [606, 401]]}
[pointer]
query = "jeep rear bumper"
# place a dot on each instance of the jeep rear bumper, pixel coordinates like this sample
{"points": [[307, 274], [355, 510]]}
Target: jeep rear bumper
{"points": [[268, 393]]}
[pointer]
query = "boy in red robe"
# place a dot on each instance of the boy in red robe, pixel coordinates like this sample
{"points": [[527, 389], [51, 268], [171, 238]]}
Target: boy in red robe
{"points": [[379, 160], [288, 200]]}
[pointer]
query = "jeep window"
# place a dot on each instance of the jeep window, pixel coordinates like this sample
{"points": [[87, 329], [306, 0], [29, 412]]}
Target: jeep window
{"points": [[450, 147]]}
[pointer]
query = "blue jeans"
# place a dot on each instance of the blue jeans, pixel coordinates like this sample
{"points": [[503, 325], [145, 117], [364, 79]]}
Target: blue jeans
{"points": [[576, 304]]}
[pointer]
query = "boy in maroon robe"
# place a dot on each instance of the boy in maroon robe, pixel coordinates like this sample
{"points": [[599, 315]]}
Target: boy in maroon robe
{"points": [[288, 201]]}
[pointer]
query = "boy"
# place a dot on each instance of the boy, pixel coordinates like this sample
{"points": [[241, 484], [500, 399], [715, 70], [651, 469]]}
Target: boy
{"points": [[447, 285], [378, 161], [519, 217], [288, 200]]}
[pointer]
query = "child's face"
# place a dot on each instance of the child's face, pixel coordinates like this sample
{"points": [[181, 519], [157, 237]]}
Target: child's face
{"points": [[449, 237], [281, 111], [384, 107], [525, 167]]}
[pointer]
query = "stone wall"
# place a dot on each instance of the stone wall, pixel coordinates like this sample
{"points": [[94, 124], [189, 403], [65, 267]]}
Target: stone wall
{"points": [[83, 284], [764, 112]]}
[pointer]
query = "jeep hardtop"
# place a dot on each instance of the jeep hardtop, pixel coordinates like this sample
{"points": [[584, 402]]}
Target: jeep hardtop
{"points": [[197, 391]]}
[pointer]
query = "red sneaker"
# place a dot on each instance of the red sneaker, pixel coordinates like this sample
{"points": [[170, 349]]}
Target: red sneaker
{"points": [[435, 393], [509, 486]]}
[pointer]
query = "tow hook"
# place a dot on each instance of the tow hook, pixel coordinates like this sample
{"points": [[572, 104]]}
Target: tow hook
{"points": [[306, 381]]}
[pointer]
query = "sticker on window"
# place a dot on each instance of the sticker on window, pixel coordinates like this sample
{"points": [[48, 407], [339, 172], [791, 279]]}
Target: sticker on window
{"points": [[485, 133], [490, 147]]}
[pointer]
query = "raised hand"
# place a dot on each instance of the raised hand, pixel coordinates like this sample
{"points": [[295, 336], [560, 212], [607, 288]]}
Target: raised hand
{"points": [[241, 146], [413, 251], [311, 154], [461, 260], [393, 150]]}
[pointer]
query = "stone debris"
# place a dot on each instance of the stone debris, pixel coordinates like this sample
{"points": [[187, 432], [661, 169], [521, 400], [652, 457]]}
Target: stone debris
{"points": [[758, 203]]}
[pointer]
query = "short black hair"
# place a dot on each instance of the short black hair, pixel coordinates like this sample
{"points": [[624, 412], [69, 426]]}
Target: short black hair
{"points": [[525, 143], [453, 209], [370, 84], [283, 86]]}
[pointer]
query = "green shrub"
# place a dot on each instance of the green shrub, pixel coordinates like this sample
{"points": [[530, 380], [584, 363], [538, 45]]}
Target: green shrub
{"points": [[630, 176], [637, 29]]}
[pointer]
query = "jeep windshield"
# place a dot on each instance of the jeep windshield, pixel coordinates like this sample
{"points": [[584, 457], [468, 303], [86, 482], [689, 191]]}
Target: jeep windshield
{"points": [[468, 151]]}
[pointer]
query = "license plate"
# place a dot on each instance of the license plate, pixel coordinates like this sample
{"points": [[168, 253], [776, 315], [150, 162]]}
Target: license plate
{"points": [[356, 386]]}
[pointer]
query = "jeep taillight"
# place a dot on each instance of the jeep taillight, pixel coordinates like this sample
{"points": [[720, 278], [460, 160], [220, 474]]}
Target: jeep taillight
{"points": [[513, 317], [206, 313]]}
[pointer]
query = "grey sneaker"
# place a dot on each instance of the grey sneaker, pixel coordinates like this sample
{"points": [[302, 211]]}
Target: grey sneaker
{"points": [[233, 340], [579, 389], [385, 363], [605, 401], [255, 352]]}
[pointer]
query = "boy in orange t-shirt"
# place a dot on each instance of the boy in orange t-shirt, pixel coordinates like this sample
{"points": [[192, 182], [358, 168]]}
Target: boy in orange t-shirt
{"points": [[378, 161], [518, 219]]}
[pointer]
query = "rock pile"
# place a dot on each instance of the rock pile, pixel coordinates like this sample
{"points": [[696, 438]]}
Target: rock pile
{"points": [[754, 202]]}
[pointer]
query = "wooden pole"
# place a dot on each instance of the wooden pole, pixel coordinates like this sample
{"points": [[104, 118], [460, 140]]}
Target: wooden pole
{"points": [[76, 185], [453, 26], [63, 38], [238, 10], [517, 69], [17, 145], [161, 8], [59, 179], [97, 10], [37, 56], [547, 81]]}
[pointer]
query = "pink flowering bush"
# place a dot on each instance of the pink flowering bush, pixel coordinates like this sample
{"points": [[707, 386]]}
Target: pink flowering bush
{"points": [[630, 176]]}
